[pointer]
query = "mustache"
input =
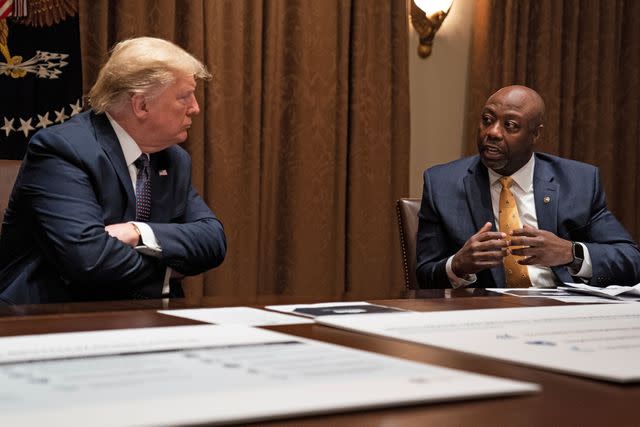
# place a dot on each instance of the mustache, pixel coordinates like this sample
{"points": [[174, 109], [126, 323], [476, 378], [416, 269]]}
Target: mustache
{"points": [[485, 145]]}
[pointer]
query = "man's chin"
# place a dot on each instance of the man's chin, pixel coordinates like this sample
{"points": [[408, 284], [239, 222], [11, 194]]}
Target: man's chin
{"points": [[182, 137], [494, 164]]}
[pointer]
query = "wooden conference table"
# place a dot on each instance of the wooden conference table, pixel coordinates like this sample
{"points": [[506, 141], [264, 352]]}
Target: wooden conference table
{"points": [[564, 400]]}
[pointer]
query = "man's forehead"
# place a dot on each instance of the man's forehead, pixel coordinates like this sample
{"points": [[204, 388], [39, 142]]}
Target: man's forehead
{"points": [[514, 102], [504, 108]]}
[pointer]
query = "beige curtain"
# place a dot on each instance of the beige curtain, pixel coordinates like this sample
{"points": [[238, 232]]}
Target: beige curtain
{"points": [[302, 144], [583, 57]]}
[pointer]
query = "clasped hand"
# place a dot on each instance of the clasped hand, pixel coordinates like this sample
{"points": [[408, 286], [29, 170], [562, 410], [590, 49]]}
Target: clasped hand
{"points": [[486, 249], [125, 232]]}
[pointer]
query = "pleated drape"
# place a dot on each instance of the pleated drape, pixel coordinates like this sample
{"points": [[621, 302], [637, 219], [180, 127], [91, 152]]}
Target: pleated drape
{"points": [[302, 144], [583, 57]]}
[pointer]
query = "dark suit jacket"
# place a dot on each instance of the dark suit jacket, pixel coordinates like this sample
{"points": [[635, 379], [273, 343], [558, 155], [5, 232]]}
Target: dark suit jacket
{"points": [[456, 202], [73, 182]]}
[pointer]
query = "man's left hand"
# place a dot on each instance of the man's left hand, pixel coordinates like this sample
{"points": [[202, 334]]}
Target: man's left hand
{"points": [[125, 232], [540, 247]]}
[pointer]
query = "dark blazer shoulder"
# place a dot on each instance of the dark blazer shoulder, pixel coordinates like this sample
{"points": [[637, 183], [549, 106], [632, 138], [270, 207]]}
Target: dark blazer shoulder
{"points": [[76, 136], [560, 163], [454, 169], [83, 123]]}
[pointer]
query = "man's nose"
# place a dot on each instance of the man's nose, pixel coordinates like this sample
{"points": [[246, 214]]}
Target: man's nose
{"points": [[494, 131], [194, 108]]}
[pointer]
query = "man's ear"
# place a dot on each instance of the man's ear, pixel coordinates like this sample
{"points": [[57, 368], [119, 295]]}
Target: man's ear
{"points": [[139, 105], [537, 133]]}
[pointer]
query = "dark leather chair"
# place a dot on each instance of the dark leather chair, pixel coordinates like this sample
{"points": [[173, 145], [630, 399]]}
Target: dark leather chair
{"points": [[8, 173], [407, 210]]}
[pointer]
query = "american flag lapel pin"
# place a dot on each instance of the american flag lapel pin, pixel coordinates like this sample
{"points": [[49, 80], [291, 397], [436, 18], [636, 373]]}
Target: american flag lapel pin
{"points": [[162, 172]]}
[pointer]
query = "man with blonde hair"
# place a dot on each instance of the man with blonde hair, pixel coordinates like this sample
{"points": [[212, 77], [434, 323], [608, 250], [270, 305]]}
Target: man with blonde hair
{"points": [[103, 207]]}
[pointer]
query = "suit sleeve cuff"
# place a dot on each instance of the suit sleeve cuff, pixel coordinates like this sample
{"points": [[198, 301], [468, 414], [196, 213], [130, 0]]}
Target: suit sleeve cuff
{"points": [[458, 282]]}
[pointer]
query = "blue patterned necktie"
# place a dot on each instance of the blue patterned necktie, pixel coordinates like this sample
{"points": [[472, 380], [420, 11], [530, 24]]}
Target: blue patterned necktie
{"points": [[143, 189]]}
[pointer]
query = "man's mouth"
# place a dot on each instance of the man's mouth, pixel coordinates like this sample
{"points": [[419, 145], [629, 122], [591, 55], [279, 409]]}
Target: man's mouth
{"points": [[491, 152]]}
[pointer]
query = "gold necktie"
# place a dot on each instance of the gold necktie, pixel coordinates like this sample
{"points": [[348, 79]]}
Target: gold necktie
{"points": [[517, 275]]}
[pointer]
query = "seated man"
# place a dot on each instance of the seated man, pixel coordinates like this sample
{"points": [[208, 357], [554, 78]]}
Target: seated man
{"points": [[103, 207], [511, 218]]}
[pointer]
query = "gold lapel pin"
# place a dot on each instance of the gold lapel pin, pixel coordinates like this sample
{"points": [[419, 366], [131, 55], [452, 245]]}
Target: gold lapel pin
{"points": [[546, 199]]}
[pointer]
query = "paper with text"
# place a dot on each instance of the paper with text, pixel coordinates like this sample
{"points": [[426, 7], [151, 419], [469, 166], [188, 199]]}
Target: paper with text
{"points": [[598, 340], [333, 308], [554, 294], [621, 293], [210, 374]]}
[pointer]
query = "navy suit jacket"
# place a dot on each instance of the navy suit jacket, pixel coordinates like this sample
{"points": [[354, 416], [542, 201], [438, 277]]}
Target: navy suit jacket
{"points": [[456, 203], [73, 182]]}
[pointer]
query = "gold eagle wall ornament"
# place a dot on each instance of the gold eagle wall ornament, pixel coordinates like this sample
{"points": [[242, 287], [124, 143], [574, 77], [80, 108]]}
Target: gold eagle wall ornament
{"points": [[25, 116], [40, 13], [8, 68], [45, 13]]}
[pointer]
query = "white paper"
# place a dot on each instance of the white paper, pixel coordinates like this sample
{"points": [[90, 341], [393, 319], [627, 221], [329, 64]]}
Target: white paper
{"points": [[598, 341], [624, 293], [210, 374], [332, 308], [554, 294], [246, 316]]}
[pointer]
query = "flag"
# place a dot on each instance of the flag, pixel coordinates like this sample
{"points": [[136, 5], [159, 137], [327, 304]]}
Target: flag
{"points": [[6, 7]]}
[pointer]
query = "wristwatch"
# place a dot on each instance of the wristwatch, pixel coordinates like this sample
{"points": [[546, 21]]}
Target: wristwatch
{"points": [[137, 230], [578, 256]]}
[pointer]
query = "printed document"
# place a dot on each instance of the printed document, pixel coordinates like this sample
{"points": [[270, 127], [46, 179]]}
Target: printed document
{"points": [[562, 295], [246, 316], [333, 308], [615, 292], [598, 341], [210, 374]]}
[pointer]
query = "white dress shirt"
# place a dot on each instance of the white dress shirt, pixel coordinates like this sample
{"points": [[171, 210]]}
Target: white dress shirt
{"points": [[131, 153], [522, 189]]}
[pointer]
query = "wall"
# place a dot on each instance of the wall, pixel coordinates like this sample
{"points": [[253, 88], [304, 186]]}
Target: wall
{"points": [[438, 88]]}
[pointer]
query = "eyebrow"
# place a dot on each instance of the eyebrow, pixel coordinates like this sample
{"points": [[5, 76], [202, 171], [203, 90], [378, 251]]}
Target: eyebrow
{"points": [[508, 114]]}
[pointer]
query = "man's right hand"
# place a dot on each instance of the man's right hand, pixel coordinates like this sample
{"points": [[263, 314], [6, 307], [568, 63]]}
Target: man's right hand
{"points": [[483, 250], [126, 232]]}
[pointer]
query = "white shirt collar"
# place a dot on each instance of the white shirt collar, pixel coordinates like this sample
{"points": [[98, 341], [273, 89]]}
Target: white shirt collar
{"points": [[523, 177], [129, 147]]}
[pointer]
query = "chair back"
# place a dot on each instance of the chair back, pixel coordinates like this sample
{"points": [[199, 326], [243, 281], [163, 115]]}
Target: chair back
{"points": [[8, 173], [407, 210]]}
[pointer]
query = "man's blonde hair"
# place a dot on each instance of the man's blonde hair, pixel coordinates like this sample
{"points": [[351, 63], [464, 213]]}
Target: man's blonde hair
{"points": [[141, 65]]}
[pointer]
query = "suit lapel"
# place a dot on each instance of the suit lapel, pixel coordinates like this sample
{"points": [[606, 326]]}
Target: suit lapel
{"points": [[160, 187], [476, 185], [545, 194], [111, 146]]}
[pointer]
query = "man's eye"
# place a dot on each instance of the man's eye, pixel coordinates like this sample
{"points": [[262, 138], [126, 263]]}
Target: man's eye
{"points": [[511, 125], [486, 120]]}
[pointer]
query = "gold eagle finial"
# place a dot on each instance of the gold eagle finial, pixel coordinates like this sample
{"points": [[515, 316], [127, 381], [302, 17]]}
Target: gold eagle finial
{"points": [[45, 13]]}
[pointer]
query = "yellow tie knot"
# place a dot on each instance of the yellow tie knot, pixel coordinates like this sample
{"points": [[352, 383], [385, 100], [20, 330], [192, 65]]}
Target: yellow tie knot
{"points": [[506, 181]]}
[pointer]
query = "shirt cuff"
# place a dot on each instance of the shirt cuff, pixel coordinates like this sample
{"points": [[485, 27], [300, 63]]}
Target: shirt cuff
{"points": [[166, 289], [147, 236], [458, 282]]}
